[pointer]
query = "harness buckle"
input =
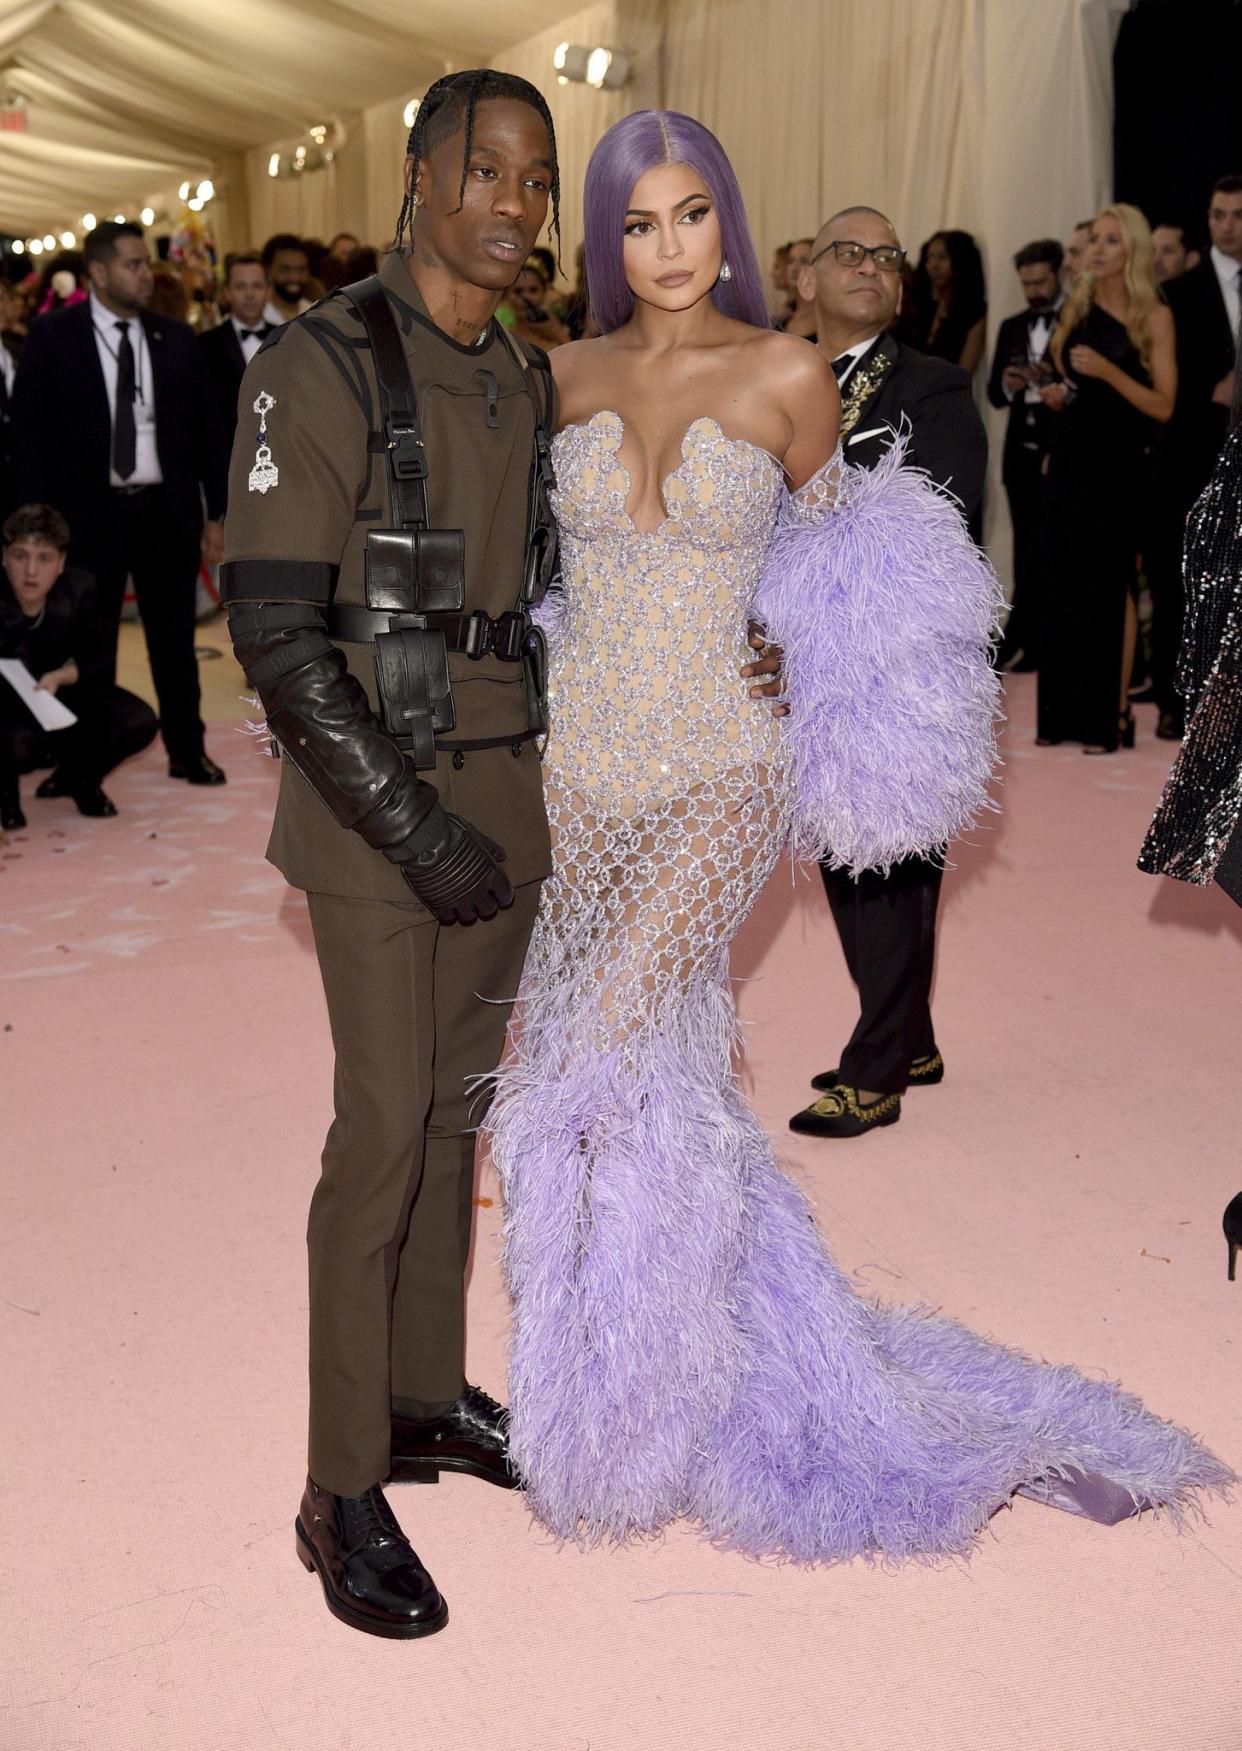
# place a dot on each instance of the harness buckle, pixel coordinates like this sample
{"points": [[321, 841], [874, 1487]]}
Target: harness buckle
{"points": [[406, 455]]}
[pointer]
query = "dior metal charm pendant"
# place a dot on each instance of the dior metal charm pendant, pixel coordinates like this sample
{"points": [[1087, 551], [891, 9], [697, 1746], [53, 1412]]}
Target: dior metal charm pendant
{"points": [[265, 473]]}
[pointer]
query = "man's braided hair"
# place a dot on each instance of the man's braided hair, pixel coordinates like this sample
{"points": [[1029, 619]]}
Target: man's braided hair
{"points": [[452, 101]]}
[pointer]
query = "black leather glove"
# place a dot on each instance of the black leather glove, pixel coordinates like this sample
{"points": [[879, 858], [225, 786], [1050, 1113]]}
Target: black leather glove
{"points": [[320, 716], [454, 869]]}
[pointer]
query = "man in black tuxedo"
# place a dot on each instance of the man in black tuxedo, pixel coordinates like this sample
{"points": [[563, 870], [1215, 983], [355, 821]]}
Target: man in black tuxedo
{"points": [[115, 424], [229, 347], [1207, 304], [887, 924], [1019, 365]]}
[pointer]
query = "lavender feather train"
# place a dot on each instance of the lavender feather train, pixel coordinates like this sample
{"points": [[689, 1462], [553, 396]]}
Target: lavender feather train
{"points": [[683, 1344]]}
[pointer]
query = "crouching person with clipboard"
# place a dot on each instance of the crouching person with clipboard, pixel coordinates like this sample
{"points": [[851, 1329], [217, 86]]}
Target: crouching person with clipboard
{"points": [[58, 707]]}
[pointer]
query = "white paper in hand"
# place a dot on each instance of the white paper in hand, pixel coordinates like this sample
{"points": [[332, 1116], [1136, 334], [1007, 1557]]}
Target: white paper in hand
{"points": [[51, 714]]}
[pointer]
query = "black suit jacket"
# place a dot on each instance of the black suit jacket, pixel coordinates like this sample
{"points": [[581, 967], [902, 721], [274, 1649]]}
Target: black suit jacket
{"points": [[8, 479], [1205, 353], [63, 431], [69, 627], [1028, 421], [947, 436], [222, 355]]}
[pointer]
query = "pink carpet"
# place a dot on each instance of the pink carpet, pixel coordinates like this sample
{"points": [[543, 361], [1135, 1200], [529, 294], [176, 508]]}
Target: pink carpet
{"points": [[165, 1092]]}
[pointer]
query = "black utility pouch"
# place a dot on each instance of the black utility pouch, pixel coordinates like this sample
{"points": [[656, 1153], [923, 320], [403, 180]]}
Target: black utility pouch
{"points": [[416, 571], [416, 697]]}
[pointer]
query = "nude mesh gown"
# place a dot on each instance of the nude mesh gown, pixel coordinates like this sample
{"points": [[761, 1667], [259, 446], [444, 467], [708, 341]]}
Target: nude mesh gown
{"points": [[683, 1344]]}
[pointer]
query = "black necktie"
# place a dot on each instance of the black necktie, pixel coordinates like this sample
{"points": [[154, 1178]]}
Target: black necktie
{"points": [[124, 437], [841, 366]]}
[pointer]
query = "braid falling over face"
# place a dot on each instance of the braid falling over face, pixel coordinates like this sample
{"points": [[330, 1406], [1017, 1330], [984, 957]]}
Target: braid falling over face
{"points": [[451, 104]]}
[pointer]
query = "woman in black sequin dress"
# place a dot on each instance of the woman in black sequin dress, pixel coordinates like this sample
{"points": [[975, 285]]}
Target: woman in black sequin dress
{"points": [[1114, 348]]}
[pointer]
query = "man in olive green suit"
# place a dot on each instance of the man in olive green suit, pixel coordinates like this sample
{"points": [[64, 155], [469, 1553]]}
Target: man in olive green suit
{"points": [[388, 529]]}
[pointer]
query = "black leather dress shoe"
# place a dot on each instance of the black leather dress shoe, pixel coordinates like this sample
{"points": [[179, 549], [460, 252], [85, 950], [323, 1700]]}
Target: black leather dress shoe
{"points": [[371, 1577], [840, 1113], [12, 819], [199, 770], [90, 799], [924, 1073], [472, 1436]]}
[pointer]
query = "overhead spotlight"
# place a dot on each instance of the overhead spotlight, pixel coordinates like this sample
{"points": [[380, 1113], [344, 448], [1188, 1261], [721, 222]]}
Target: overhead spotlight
{"points": [[184, 190], [119, 218], [194, 204], [206, 189], [68, 239], [147, 215], [609, 69], [89, 221], [35, 246], [19, 248], [570, 60], [273, 164], [410, 111], [49, 242]]}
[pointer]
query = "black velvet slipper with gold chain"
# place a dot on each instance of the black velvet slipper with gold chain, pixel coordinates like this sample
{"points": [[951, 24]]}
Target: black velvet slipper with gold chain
{"points": [[840, 1113]]}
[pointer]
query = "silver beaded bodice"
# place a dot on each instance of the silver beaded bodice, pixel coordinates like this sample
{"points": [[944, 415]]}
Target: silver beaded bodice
{"points": [[646, 694]]}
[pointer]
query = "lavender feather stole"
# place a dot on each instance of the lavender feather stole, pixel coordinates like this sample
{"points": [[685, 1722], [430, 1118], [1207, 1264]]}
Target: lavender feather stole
{"points": [[684, 1345], [885, 608]]}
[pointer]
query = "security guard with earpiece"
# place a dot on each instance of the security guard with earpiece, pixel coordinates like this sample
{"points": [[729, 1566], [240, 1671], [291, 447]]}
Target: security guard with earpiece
{"points": [[388, 534]]}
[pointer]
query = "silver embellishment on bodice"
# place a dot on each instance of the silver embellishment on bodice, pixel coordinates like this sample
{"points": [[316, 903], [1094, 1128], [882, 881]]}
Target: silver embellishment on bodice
{"points": [[647, 699]]}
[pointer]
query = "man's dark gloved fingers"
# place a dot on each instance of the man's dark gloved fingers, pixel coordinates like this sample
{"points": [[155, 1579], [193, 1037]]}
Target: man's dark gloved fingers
{"points": [[494, 851]]}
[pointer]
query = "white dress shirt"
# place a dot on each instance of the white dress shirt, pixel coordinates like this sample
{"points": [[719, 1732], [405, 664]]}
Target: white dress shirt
{"points": [[853, 354], [277, 317], [1228, 273], [247, 340], [107, 341], [8, 368]]}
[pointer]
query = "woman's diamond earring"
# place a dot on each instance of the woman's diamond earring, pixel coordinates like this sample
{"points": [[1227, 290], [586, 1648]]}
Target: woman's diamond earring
{"points": [[726, 272]]}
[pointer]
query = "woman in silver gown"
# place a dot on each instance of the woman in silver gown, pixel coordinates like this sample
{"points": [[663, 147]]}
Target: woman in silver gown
{"points": [[683, 1343]]}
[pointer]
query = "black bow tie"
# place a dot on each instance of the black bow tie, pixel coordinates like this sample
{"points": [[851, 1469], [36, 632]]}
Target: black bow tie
{"points": [[1034, 316], [255, 333]]}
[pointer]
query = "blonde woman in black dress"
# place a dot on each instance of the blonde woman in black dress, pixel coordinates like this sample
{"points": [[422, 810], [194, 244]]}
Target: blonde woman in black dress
{"points": [[1114, 347]]}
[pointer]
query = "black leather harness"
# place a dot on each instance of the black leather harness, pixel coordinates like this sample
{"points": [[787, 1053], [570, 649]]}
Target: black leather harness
{"points": [[415, 575]]}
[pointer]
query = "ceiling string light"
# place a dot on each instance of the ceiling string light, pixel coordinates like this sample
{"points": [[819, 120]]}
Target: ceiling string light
{"points": [[601, 68]]}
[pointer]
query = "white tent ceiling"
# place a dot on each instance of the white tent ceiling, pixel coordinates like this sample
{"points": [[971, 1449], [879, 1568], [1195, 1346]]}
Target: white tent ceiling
{"points": [[125, 96]]}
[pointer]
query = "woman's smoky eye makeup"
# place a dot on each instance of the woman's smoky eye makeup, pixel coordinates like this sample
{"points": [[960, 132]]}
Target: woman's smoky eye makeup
{"points": [[640, 227]]}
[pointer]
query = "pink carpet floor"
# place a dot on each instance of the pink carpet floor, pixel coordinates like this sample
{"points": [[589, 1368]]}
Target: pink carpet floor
{"points": [[165, 1088]]}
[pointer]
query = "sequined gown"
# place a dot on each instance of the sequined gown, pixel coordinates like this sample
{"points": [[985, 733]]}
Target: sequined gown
{"points": [[683, 1344]]}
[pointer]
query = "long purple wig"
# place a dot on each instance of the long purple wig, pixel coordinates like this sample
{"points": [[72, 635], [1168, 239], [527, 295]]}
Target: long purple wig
{"points": [[632, 146]]}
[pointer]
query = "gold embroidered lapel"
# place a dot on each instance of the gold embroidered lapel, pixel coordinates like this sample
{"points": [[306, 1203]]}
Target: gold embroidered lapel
{"points": [[863, 383]]}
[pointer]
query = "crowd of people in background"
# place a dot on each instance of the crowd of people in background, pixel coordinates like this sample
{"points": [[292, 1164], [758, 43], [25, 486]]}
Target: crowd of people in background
{"points": [[1116, 374]]}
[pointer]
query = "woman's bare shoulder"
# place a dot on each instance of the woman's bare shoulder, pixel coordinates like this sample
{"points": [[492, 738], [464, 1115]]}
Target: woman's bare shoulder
{"points": [[576, 368], [789, 361]]}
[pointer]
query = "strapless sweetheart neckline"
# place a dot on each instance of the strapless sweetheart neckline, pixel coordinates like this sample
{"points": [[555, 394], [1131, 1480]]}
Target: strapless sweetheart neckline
{"points": [[610, 414]]}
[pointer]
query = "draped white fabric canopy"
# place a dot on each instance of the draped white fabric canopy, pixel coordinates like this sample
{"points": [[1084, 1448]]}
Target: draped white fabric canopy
{"points": [[125, 97]]}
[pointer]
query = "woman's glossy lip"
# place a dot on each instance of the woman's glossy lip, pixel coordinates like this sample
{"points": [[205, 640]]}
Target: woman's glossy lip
{"points": [[675, 279]]}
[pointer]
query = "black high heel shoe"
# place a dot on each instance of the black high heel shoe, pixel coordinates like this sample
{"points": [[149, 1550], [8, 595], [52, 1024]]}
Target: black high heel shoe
{"points": [[1232, 1225]]}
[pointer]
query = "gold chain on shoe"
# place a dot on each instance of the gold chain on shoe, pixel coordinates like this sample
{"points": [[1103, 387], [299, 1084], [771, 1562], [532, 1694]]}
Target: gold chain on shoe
{"points": [[843, 1099], [926, 1066]]}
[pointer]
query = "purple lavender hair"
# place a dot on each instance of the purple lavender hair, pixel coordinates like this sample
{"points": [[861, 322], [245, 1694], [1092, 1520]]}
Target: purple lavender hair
{"points": [[638, 143]]}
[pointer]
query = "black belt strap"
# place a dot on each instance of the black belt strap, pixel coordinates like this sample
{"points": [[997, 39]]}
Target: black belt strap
{"points": [[477, 634], [403, 438]]}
